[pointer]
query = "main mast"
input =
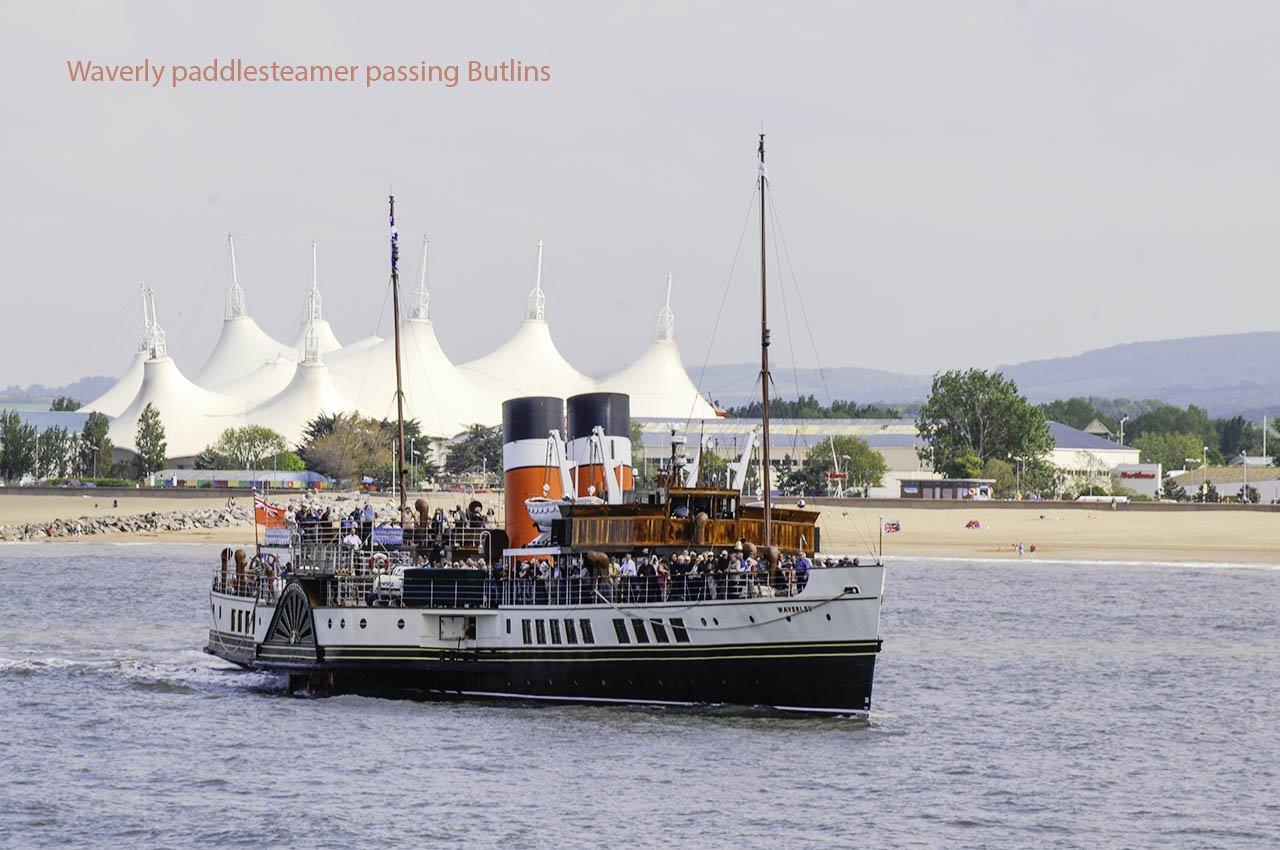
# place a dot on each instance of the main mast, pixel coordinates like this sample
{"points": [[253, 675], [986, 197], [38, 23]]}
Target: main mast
{"points": [[395, 317], [764, 359]]}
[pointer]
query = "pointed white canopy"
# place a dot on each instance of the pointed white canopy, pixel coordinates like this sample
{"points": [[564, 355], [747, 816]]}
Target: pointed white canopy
{"points": [[657, 382], [328, 341], [437, 393], [117, 398], [362, 344], [311, 392], [242, 346], [193, 417], [264, 382], [529, 363]]}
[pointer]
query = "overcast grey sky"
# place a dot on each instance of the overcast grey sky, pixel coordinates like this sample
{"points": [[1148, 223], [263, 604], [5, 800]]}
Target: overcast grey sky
{"points": [[959, 183]]}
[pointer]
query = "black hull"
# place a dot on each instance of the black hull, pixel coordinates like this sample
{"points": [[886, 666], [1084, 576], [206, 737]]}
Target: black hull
{"points": [[825, 678]]}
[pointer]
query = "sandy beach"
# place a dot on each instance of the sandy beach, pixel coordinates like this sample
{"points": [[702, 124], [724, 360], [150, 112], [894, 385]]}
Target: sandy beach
{"points": [[1057, 534], [1244, 537]]}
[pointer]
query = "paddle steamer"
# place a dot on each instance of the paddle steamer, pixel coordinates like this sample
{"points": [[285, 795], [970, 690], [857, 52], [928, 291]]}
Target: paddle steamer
{"points": [[549, 617]]}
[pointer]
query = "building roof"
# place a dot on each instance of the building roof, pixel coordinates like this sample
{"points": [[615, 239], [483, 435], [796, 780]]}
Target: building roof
{"points": [[264, 382], [1066, 437], [1225, 475]]}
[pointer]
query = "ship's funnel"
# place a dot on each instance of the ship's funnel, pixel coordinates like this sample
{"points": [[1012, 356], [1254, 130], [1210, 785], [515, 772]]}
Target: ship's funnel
{"points": [[528, 467], [611, 412]]}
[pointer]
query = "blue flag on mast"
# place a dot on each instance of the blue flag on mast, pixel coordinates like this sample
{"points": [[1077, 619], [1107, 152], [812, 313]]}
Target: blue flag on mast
{"points": [[395, 237]]}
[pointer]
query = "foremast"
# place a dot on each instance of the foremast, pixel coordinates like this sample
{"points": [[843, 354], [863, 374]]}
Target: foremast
{"points": [[395, 318], [764, 357]]}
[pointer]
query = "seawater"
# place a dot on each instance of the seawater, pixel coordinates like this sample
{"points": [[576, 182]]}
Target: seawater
{"points": [[1017, 704]]}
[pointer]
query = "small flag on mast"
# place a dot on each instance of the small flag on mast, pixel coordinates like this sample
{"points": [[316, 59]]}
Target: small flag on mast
{"points": [[892, 526], [395, 237], [763, 172]]}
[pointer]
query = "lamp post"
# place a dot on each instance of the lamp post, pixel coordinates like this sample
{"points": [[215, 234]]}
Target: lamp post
{"points": [[1123, 419], [1244, 463]]}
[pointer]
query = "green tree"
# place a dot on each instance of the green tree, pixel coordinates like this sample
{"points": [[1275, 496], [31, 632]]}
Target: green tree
{"points": [[1167, 419], [1248, 494], [1169, 450], [808, 407], [63, 402], [861, 465], [975, 416], [150, 443], [57, 452], [1236, 435], [477, 449], [17, 446], [346, 446], [95, 446], [249, 447], [288, 462], [1004, 474]]}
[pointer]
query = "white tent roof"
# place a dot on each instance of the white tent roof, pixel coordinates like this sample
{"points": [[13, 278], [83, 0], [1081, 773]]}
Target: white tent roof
{"points": [[657, 382], [528, 364], [151, 338], [311, 392], [117, 398], [443, 399], [362, 344], [264, 382], [315, 315], [242, 347], [328, 341], [193, 417]]}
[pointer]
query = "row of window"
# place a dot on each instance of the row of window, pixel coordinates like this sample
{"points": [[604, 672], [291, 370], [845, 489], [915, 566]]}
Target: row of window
{"points": [[542, 628], [242, 621], [572, 632], [660, 635]]}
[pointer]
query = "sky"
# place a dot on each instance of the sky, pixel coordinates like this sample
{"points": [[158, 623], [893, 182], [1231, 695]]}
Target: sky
{"points": [[955, 184]]}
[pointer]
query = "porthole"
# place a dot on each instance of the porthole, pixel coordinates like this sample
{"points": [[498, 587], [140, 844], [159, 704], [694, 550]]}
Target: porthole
{"points": [[363, 622], [704, 621], [715, 620], [788, 618], [828, 618], [399, 624], [342, 624], [331, 622], [753, 619]]}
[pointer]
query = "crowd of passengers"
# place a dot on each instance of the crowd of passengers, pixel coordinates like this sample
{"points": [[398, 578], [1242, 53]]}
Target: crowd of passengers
{"points": [[354, 528], [685, 576]]}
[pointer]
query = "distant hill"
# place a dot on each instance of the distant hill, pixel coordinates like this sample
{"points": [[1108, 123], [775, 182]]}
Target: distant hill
{"points": [[83, 390], [734, 384], [1227, 374]]}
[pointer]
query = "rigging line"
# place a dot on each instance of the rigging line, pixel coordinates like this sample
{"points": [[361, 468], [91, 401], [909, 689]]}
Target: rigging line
{"points": [[795, 284], [711, 339], [797, 435], [368, 359]]}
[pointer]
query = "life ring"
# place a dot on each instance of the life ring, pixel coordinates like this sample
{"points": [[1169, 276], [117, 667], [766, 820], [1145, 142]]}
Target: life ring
{"points": [[378, 562]]}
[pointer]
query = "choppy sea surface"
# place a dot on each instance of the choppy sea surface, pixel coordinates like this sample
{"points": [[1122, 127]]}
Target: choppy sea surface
{"points": [[1016, 705]]}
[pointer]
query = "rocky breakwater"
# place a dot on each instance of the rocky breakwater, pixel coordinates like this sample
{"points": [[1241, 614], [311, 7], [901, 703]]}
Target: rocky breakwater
{"points": [[154, 521]]}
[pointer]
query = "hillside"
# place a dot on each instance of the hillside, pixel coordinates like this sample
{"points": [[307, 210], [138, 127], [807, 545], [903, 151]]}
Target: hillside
{"points": [[1227, 374]]}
